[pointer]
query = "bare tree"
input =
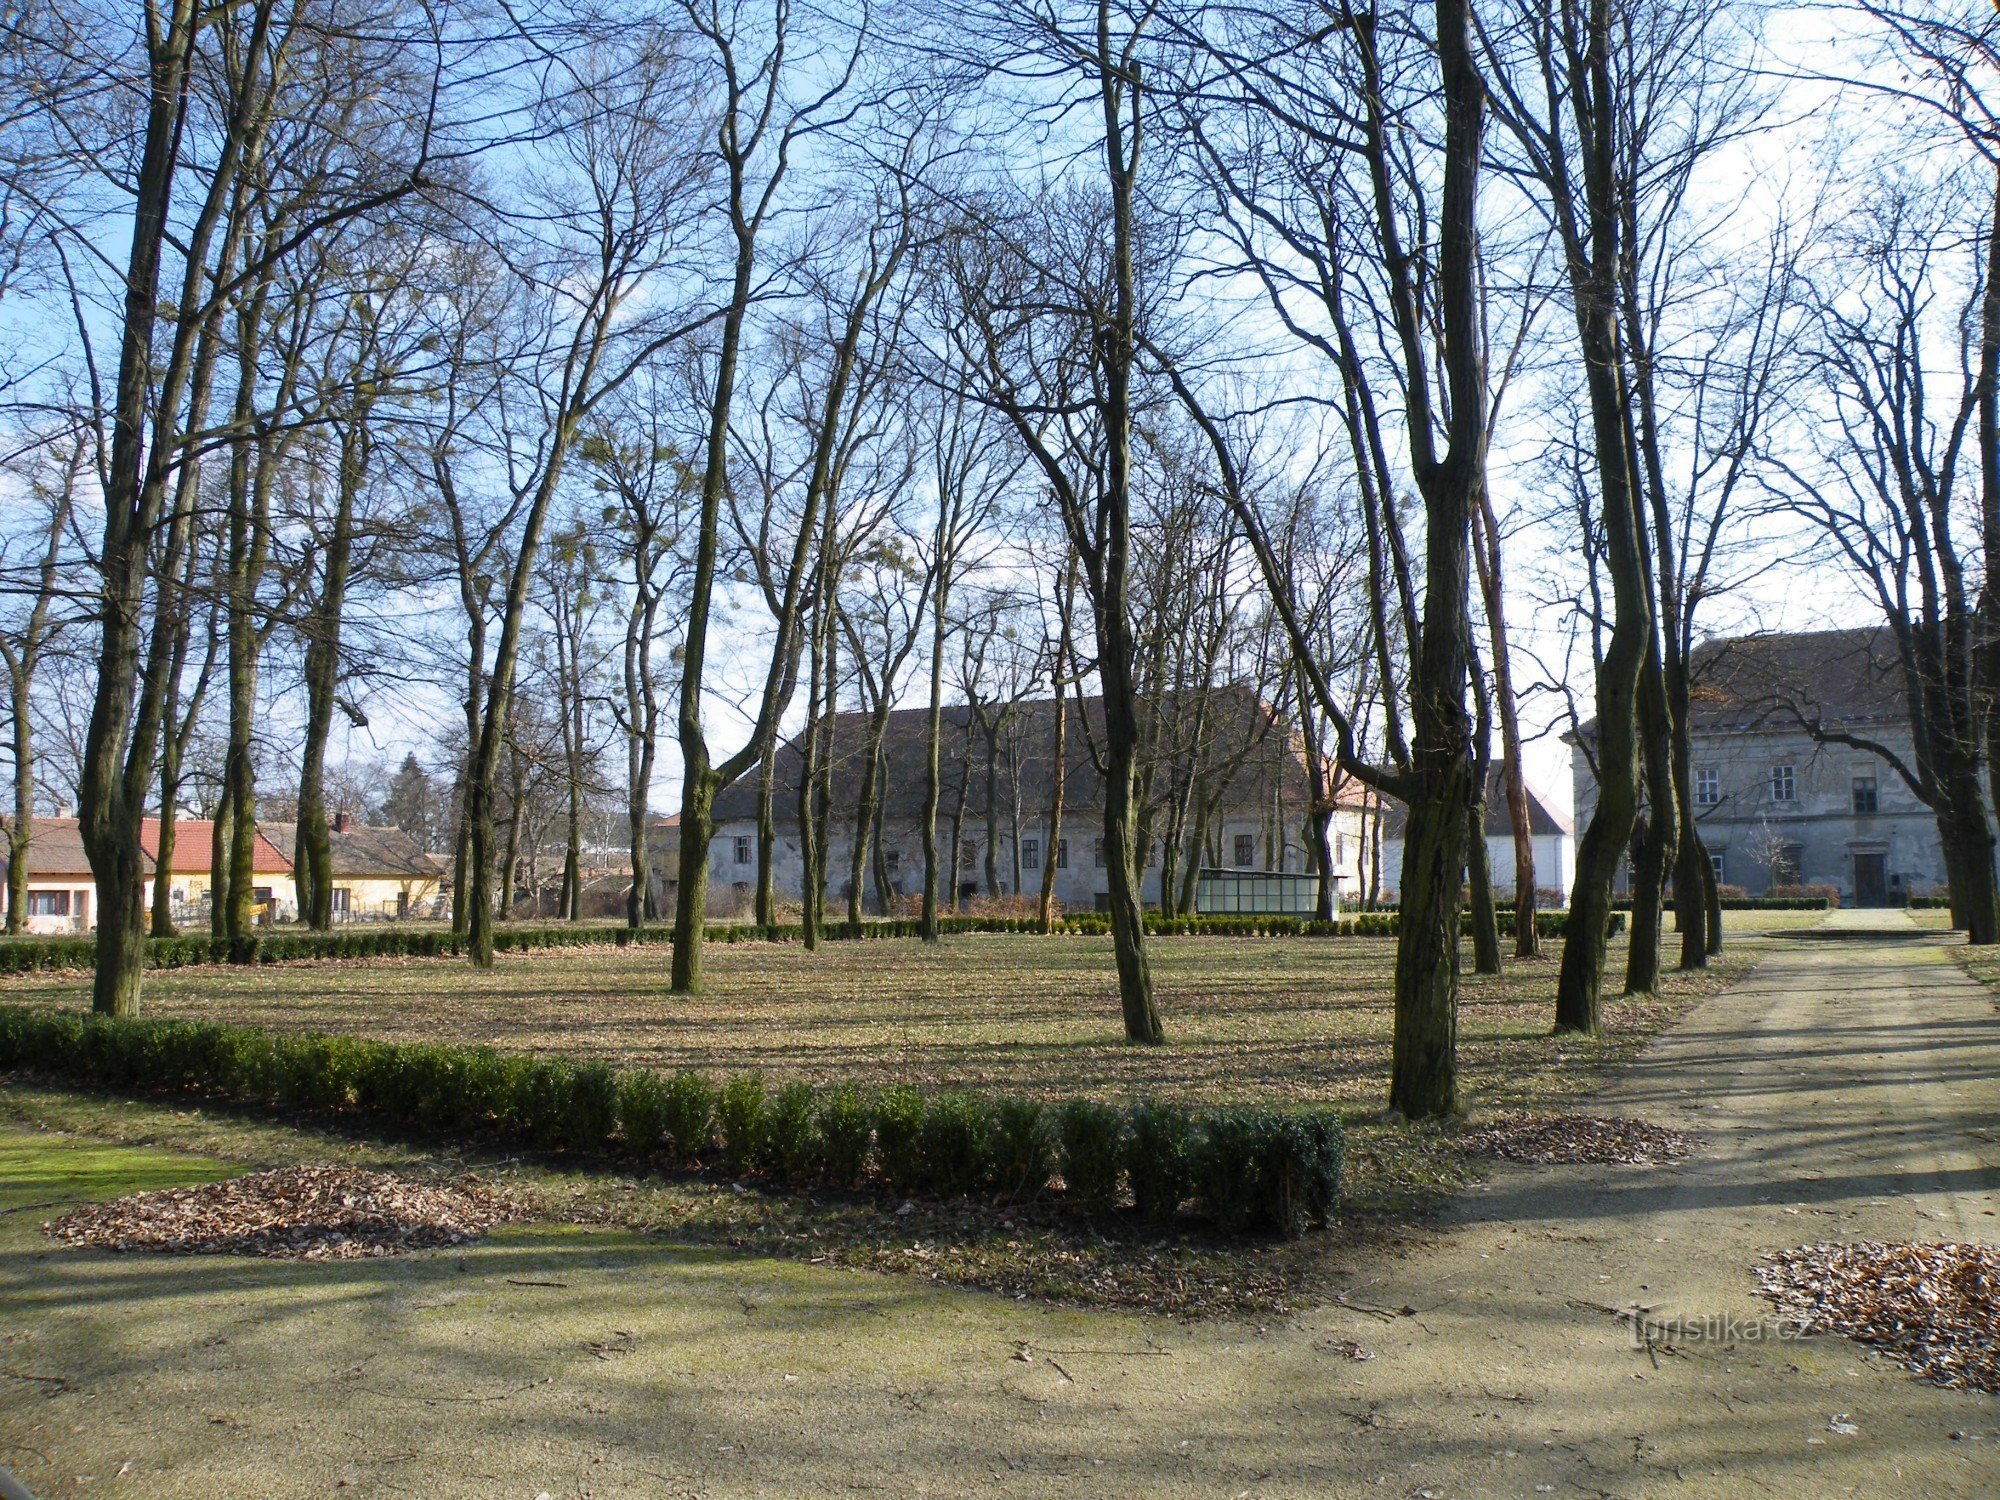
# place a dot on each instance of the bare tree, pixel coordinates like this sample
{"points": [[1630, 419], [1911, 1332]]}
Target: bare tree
{"points": [[33, 565], [1337, 109]]}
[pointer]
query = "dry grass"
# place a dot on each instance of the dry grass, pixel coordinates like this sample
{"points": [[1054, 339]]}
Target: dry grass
{"points": [[1247, 1019]]}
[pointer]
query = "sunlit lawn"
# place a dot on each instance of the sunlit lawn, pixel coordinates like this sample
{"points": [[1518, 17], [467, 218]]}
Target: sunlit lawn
{"points": [[1247, 1019]]}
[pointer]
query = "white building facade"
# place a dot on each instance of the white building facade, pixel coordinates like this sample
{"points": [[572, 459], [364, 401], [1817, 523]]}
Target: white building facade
{"points": [[1776, 802], [1255, 817]]}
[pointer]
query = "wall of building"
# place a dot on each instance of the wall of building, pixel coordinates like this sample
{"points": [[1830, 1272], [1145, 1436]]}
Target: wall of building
{"points": [[1822, 829], [1080, 882], [1552, 863]]}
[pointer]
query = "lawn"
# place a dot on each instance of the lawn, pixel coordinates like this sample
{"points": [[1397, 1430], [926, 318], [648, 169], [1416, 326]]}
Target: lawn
{"points": [[1272, 1019]]}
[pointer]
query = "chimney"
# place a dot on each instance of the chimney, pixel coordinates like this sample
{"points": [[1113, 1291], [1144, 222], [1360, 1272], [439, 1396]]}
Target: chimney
{"points": [[340, 821]]}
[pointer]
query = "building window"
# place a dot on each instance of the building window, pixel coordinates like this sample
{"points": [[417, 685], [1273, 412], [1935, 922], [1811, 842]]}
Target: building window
{"points": [[1715, 864], [893, 859], [1097, 852], [1784, 787], [48, 903], [1031, 854], [1864, 794], [338, 899], [1246, 850], [1707, 786], [1062, 854], [743, 848]]}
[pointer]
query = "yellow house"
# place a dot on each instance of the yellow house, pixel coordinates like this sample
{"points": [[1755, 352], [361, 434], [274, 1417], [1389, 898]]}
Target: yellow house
{"points": [[62, 893], [378, 873]]}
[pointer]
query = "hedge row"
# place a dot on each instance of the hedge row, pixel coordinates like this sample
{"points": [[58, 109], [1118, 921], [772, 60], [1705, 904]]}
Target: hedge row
{"points": [[1929, 903], [1250, 1170], [268, 946], [1749, 903]]}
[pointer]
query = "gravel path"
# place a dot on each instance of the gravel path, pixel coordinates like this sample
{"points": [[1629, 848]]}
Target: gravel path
{"points": [[1847, 1090]]}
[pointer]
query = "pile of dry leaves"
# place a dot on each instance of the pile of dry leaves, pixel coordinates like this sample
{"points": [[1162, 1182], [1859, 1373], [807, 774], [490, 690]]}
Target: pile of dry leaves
{"points": [[304, 1213], [1936, 1308], [1545, 1139]]}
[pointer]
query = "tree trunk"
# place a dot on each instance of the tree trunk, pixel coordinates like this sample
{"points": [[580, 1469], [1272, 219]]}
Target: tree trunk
{"points": [[1486, 555], [864, 813], [767, 839], [221, 842], [21, 836], [991, 872], [1479, 877], [1655, 846], [1045, 906], [120, 742], [934, 756]]}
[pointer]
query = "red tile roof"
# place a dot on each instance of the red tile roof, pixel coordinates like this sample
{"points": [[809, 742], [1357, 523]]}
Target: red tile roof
{"points": [[56, 849]]}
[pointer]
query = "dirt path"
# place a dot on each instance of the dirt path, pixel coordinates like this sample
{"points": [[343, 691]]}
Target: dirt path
{"points": [[1847, 1090]]}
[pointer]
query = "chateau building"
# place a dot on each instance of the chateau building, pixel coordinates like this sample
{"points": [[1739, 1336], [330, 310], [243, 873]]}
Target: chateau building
{"points": [[1776, 803]]}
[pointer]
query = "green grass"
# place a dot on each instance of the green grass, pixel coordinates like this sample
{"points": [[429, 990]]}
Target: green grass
{"points": [[39, 1172]]}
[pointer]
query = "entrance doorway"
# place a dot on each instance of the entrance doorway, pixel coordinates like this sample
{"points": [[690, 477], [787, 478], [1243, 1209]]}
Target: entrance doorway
{"points": [[1871, 879]]}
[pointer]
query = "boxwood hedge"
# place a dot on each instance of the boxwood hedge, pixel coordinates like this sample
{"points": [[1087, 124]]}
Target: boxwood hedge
{"points": [[19, 955], [1250, 1171]]}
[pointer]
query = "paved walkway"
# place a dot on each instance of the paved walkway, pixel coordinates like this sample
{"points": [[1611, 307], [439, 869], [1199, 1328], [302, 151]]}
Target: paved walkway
{"points": [[1847, 1090]]}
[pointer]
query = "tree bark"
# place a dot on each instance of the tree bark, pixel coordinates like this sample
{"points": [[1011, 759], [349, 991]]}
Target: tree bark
{"points": [[313, 858], [1593, 265], [1656, 842]]}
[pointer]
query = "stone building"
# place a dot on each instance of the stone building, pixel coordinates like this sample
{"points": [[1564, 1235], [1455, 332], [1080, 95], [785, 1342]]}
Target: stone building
{"points": [[1240, 777], [1776, 803]]}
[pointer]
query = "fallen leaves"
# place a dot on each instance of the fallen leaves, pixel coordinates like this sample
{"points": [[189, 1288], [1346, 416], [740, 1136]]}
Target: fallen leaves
{"points": [[1543, 1140], [297, 1213], [1935, 1308]]}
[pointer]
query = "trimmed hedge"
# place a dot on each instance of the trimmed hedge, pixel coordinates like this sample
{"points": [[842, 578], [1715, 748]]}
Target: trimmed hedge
{"points": [[1748, 903], [1929, 903], [1252, 1171], [22, 955]]}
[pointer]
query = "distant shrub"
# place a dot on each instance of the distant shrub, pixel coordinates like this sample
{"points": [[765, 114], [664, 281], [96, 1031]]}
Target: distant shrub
{"points": [[739, 1118], [688, 1120], [1830, 894], [790, 1141], [899, 1125], [844, 1125], [1159, 1159], [955, 1143], [1091, 1135], [1023, 1153]]}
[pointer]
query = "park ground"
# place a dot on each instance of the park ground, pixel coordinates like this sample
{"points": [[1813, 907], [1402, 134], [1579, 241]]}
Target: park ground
{"points": [[1844, 1089]]}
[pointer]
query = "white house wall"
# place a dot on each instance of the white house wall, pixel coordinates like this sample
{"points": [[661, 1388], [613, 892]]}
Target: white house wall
{"points": [[1553, 864], [1820, 819], [732, 866]]}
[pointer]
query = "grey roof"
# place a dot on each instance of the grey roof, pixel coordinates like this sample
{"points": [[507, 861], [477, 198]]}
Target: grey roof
{"points": [[1767, 681], [1542, 819], [362, 852], [55, 850], [1025, 756]]}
